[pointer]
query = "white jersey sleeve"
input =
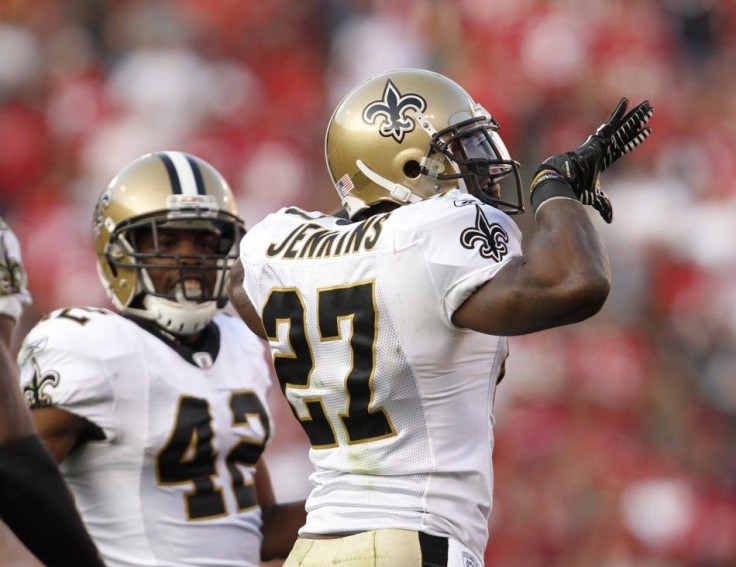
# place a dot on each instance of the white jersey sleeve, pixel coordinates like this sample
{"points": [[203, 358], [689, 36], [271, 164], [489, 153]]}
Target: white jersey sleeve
{"points": [[464, 245], [62, 364]]}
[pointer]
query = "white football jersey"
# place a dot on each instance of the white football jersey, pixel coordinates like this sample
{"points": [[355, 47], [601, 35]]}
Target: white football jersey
{"points": [[396, 400], [170, 480]]}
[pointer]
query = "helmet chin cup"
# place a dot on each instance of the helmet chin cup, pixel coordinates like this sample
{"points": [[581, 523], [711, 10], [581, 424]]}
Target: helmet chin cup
{"points": [[180, 317]]}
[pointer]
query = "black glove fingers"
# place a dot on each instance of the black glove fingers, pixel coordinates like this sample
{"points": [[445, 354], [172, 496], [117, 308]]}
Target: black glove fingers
{"points": [[602, 204], [611, 155], [636, 141], [626, 146], [604, 207], [613, 121], [640, 110], [633, 123], [620, 146], [621, 133], [615, 118], [630, 134], [620, 138], [639, 119]]}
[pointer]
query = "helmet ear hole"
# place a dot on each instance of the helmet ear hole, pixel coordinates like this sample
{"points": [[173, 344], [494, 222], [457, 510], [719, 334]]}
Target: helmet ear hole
{"points": [[412, 169]]}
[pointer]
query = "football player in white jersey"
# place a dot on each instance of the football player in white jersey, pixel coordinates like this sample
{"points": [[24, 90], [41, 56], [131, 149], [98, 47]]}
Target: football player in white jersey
{"points": [[388, 329], [158, 412], [34, 501]]}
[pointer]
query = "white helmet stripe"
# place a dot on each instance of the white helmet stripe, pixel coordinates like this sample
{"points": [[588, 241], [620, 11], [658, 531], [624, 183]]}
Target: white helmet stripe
{"points": [[186, 179]]}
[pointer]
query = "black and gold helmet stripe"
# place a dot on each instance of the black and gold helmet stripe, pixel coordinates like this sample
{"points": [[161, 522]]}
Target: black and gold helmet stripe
{"points": [[184, 173]]}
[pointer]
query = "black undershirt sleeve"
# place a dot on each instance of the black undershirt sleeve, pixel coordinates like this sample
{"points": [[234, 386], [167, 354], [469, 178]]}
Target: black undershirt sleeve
{"points": [[38, 507]]}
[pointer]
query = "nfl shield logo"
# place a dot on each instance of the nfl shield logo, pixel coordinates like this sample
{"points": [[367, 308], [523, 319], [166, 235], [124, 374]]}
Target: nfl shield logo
{"points": [[469, 560], [202, 359]]}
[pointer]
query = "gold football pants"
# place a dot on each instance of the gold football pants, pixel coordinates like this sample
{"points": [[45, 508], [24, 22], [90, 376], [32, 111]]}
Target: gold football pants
{"points": [[381, 548]]}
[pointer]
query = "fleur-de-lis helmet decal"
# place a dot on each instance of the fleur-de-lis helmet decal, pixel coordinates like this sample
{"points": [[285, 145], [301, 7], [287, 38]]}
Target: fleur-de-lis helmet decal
{"points": [[411, 134], [392, 111]]}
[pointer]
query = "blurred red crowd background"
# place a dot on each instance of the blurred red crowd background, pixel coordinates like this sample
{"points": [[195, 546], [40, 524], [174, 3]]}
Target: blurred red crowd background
{"points": [[616, 438]]}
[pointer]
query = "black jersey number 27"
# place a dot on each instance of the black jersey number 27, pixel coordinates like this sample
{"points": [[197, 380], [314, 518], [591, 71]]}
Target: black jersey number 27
{"points": [[356, 304]]}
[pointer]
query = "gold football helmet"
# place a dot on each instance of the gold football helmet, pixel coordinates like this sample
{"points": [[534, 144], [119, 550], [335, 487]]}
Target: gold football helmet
{"points": [[166, 190], [409, 134]]}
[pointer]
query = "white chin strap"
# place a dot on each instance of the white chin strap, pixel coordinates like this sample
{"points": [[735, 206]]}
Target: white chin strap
{"points": [[400, 193], [180, 317]]}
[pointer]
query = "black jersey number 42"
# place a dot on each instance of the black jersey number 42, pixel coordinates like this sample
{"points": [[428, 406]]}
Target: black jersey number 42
{"points": [[189, 456], [354, 303]]}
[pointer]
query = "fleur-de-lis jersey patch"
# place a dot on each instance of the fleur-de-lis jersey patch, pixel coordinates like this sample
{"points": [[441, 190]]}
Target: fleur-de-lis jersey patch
{"points": [[392, 109], [34, 390], [491, 238]]}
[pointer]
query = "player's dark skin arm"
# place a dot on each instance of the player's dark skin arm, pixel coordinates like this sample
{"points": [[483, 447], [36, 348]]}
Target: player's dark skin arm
{"points": [[563, 277], [15, 423], [34, 500], [60, 430], [280, 521], [241, 302]]}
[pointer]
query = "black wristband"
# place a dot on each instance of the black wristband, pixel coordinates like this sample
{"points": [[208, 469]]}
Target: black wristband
{"points": [[548, 184]]}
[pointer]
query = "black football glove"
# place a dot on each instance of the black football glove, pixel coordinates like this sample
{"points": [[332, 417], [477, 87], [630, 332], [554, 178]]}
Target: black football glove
{"points": [[614, 138]]}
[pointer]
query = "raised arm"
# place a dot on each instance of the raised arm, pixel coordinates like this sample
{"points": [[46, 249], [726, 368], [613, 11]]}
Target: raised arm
{"points": [[281, 521], [15, 422], [562, 278], [34, 500], [564, 274]]}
